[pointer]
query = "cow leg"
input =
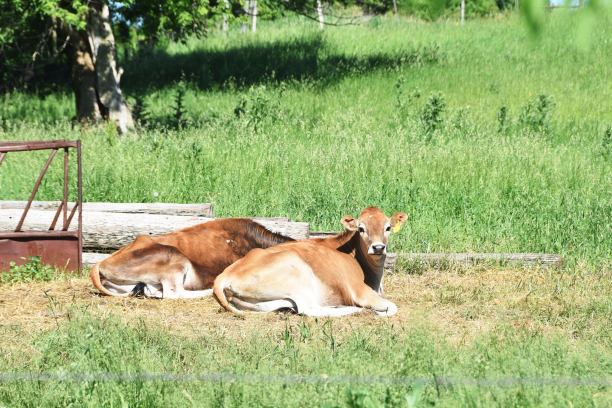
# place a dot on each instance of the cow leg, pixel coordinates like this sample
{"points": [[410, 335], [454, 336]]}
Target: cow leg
{"points": [[367, 298], [268, 306], [195, 294], [151, 269], [173, 286], [267, 282]]}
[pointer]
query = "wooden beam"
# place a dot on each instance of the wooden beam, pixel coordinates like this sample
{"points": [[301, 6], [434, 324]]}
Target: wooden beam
{"points": [[108, 231], [202, 210]]}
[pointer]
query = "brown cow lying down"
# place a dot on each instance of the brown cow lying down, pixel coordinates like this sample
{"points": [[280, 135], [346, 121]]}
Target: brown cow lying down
{"points": [[182, 264], [321, 277]]}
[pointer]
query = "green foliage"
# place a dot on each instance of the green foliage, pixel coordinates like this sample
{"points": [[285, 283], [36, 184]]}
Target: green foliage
{"points": [[33, 270], [158, 19], [533, 12]]}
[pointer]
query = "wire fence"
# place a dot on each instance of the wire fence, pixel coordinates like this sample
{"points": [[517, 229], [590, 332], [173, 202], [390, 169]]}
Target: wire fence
{"points": [[509, 381]]}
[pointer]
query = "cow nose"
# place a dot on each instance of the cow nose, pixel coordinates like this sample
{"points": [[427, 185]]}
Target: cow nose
{"points": [[378, 248]]}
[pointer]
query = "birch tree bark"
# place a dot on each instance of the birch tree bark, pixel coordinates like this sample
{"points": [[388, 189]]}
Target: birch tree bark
{"points": [[226, 10], [247, 11], [320, 14], [253, 15]]}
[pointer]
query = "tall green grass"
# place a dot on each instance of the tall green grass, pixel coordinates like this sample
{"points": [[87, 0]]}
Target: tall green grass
{"points": [[489, 140]]}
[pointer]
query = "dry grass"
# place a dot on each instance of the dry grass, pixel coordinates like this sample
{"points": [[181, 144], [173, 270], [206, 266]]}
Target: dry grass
{"points": [[460, 304]]}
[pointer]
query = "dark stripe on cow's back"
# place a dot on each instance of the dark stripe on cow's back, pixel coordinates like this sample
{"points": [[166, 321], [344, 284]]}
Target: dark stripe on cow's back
{"points": [[263, 237]]}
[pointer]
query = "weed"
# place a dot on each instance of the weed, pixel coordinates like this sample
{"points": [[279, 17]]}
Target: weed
{"points": [[606, 142], [33, 270], [140, 112], [503, 119], [431, 114], [179, 118], [537, 114]]}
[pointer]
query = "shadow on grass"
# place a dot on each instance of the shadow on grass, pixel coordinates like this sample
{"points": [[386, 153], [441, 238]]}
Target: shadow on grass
{"points": [[308, 58]]}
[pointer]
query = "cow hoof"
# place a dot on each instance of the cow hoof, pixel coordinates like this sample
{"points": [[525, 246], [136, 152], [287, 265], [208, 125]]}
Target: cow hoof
{"points": [[390, 310]]}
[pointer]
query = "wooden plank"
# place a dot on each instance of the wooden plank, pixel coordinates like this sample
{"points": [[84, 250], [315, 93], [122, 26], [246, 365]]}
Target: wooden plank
{"points": [[105, 230], [202, 210]]}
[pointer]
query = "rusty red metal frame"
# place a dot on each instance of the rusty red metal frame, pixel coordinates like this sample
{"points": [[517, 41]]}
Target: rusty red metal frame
{"points": [[62, 248]]}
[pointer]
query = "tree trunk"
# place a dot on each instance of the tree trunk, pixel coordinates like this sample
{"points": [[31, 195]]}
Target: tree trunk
{"points": [[320, 14], [83, 75], [394, 7], [95, 76], [462, 12], [102, 43]]}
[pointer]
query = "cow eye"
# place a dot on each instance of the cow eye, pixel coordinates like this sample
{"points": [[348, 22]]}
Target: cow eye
{"points": [[361, 229]]}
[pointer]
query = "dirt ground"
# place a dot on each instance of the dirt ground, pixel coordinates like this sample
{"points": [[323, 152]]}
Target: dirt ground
{"points": [[461, 304]]}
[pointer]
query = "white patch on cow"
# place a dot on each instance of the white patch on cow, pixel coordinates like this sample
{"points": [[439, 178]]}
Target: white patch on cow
{"points": [[118, 289]]}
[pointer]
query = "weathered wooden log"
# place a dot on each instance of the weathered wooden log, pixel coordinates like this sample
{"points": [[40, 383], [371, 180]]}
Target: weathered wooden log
{"points": [[437, 259], [202, 210], [105, 230], [91, 258], [434, 259]]}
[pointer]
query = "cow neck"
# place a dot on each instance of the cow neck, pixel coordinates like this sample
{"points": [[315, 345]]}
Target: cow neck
{"points": [[350, 242], [373, 267]]}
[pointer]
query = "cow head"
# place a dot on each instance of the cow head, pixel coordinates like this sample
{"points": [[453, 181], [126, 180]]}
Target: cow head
{"points": [[374, 228]]}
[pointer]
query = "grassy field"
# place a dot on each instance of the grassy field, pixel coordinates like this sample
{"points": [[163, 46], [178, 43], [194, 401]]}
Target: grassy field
{"points": [[475, 337], [488, 139], [403, 115]]}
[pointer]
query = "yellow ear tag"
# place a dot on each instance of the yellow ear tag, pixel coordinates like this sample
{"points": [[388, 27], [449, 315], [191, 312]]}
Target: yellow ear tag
{"points": [[397, 227]]}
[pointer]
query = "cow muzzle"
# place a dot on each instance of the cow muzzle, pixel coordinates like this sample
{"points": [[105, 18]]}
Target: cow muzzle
{"points": [[377, 248]]}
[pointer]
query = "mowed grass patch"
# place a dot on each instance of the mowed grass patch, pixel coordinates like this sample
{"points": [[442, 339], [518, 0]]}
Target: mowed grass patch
{"points": [[496, 336]]}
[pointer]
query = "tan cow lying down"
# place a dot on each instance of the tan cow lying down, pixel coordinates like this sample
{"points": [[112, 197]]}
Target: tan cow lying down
{"points": [[182, 264], [321, 277]]}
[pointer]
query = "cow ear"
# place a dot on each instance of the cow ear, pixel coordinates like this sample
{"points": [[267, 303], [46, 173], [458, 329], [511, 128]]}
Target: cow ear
{"points": [[397, 220], [350, 223]]}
